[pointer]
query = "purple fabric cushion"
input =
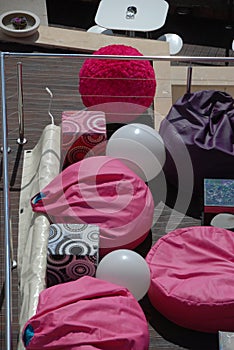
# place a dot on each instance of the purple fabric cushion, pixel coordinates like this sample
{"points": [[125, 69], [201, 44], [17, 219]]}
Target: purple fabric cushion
{"points": [[202, 121]]}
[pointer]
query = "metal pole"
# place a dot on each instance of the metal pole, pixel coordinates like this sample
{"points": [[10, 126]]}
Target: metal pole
{"points": [[8, 323], [21, 140], [189, 59], [189, 79]]}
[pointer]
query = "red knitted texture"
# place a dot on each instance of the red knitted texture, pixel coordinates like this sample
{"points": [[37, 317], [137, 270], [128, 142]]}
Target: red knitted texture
{"points": [[112, 81]]}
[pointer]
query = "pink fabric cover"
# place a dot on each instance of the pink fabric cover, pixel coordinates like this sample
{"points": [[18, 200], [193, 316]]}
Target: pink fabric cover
{"points": [[192, 280], [88, 314], [102, 191]]}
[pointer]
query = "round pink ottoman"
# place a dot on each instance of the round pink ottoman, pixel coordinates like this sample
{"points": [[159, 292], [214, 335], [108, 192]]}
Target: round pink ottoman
{"points": [[192, 280], [123, 89]]}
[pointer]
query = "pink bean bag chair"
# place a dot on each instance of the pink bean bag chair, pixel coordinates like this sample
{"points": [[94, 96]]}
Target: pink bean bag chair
{"points": [[192, 278], [104, 192], [87, 314]]}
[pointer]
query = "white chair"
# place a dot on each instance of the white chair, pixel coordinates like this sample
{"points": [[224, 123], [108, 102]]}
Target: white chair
{"points": [[100, 30], [175, 42]]}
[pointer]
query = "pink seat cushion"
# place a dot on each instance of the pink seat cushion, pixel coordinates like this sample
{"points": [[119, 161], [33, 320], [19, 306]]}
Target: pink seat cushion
{"points": [[102, 191], [192, 278], [87, 314]]}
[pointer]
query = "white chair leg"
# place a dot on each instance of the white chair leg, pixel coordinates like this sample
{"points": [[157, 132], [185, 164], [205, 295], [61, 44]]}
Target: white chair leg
{"points": [[100, 30]]}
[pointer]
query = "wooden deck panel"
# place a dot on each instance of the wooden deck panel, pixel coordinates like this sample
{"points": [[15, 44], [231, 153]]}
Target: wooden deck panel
{"points": [[61, 77]]}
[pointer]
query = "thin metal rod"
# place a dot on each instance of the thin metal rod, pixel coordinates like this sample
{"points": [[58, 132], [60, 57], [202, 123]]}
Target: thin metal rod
{"points": [[8, 323], [131, 33], [50, 103], [189, 78], [153, 58], [21, 140]]}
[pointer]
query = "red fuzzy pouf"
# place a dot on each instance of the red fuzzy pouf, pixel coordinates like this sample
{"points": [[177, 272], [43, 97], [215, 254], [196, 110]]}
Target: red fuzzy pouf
{"points": [[120, 87]]}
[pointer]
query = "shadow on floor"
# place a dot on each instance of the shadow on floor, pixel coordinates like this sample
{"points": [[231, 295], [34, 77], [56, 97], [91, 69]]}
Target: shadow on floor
{"points": [[199, 31], [173, 333], [193, 29]]}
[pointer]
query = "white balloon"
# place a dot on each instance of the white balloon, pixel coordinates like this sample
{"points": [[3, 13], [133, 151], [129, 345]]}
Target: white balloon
{"points": [[125, 268], [223, 220], [174, 40], [140, 147]]}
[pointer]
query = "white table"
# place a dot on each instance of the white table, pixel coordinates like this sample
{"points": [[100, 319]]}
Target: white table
{"points": [[150, 15]]}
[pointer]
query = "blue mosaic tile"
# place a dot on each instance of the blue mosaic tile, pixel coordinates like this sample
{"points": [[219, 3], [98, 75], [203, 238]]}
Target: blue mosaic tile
{"points": [[219, 192]]}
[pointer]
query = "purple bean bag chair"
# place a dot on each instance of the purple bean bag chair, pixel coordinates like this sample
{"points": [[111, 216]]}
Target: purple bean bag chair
{"points": [[198, 134]]}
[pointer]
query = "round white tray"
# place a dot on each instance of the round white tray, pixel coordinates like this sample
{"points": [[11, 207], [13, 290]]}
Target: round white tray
{"points": [[33, 22]]}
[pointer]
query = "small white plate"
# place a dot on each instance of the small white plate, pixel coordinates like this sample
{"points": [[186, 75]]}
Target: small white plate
{"points": [[33, 22]]}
